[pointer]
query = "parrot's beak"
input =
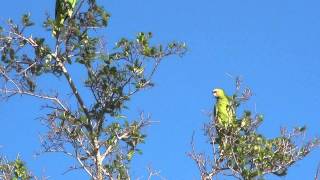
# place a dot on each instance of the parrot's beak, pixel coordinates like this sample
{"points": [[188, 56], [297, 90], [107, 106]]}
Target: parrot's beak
{"points": [[214, 93]]}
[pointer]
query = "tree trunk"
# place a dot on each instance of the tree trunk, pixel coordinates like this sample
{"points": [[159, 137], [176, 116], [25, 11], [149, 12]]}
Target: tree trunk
{"points": [[99, 160]]}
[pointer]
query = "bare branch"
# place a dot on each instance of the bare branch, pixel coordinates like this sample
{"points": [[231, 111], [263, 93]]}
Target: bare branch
{"points": [[317, 173]]}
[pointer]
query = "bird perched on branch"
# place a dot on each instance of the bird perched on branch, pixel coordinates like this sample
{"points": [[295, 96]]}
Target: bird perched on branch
{"points": [[223, 113], [64, 9], [224, 119]]}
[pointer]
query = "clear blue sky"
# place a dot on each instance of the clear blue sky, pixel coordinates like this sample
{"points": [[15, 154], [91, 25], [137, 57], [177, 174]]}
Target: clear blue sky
{"points": [[274, 45]]}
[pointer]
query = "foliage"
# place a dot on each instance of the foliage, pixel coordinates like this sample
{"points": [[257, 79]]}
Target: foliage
{"points": [[240, 151], [14, 170], [96, 133]]}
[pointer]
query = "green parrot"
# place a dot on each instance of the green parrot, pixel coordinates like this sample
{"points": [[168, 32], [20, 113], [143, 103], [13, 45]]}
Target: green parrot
{"points": [[223, 111], [64, 9], [223, 116]]}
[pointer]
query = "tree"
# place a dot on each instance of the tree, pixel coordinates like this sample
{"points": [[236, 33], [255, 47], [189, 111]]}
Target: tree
{"points": [[93, 129], [243, 153], [14, 170], [95, 132]]}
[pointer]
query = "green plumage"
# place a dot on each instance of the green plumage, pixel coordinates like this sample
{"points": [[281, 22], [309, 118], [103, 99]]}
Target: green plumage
{"points": [[223, 111], [64, 9], [223, 117]]}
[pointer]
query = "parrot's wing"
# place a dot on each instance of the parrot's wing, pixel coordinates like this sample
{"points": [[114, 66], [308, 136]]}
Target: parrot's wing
{"points": [[230, 108]]}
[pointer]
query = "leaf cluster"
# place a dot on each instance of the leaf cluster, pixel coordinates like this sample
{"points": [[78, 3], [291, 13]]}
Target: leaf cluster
{"points": [[239, 150], [14, 170], [96, 133]]}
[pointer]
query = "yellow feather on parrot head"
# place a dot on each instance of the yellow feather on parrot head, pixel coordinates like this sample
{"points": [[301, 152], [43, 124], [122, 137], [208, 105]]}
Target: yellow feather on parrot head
{"points": [[218, 93]]}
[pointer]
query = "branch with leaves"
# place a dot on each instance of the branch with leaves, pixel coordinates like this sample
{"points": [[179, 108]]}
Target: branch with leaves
{"points": [[238, 150], [96, 133], [16, 170]]}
